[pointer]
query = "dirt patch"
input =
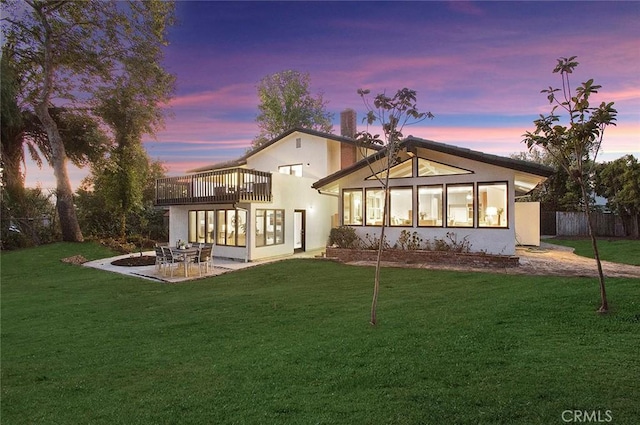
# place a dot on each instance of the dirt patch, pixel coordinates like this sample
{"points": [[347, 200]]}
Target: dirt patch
{"points": [[76, 259], [135, 261]]}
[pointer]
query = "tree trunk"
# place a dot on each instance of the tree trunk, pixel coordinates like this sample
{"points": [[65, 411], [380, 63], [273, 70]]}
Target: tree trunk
{"points": [[376, 281], [604, 307], [64, 194]]}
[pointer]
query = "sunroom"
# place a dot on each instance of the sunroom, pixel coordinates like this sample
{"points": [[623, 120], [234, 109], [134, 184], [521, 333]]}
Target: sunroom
{"points": [[438, 190]]}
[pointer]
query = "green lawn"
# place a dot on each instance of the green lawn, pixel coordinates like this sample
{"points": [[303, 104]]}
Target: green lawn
{"points": [[626, 251], [290, 343]]}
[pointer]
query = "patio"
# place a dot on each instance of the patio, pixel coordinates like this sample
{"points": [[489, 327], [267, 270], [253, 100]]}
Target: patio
{"points": [[220, 266]]}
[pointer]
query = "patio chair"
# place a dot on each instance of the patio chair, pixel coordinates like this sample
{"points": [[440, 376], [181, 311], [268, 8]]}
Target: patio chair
{"points": [[204, 257], [170, 259], [160, 258]]}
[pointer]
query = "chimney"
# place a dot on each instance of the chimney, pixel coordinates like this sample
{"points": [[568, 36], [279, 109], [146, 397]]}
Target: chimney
{"points": [[348, 123], [347, 129]]}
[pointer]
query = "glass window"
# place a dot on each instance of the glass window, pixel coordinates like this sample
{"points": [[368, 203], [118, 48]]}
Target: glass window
{"points": [[260, 228], [222, 228], [352, 207], [232, 227], [492, 205], [279, 226], [294, 170], [427, 168], [401, 206], [269, 227], [430, 206], [201, 226], [374, 204], [402, 170], [460, 205]]}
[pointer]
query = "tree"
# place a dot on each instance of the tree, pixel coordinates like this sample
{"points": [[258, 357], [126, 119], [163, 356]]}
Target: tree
{"points": [[285, 103], [558, 192], [131, 108], [66, 51], [619, 182], [576, 144], [392, 114], [97, 202]]}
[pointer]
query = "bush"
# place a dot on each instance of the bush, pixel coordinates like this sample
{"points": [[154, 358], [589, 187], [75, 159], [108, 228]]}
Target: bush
{"points": [[344, 237]]}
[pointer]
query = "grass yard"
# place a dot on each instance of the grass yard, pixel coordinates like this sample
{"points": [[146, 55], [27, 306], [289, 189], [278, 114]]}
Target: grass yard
{"points": [[290, 343], [626, 251]]}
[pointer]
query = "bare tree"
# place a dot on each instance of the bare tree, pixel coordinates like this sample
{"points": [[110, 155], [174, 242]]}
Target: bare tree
{"points": [[392, 114]]}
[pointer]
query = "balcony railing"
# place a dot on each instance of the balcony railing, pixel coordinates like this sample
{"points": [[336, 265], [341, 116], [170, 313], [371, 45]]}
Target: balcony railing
{"points": [[215, 187]]}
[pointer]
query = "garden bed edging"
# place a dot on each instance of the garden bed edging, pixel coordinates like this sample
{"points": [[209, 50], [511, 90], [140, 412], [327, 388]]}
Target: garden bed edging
{"points": [[450, 258]]}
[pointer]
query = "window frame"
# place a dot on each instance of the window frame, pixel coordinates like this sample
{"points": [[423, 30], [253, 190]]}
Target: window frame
{"points": [[366, 207], [411, 198], [224, 213], [265, 225], [441, 206], [473, 200], [350, 191], [291, 169], [506, 204]]}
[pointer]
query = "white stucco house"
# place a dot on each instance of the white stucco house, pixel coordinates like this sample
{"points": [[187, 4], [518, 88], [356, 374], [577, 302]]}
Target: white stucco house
{"points": [[287, 195]]}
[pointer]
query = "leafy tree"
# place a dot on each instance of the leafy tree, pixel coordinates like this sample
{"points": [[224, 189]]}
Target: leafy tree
{"points": [[392, 114], [556, 193], [66, 51], [285, 103], [619, 182], [97, 208], [575, 145], [131, 108]]}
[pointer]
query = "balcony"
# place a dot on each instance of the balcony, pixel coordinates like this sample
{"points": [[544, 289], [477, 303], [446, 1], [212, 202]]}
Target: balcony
{"points": [[215, 187]]}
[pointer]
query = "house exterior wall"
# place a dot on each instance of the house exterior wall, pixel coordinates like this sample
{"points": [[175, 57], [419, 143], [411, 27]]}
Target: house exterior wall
{"points": [[492, 240], [527, 223], [319, 156], [313, 154]]}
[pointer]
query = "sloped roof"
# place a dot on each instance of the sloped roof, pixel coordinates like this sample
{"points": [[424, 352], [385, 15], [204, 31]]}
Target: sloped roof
{"points": [[243, 159], [411, 143]]}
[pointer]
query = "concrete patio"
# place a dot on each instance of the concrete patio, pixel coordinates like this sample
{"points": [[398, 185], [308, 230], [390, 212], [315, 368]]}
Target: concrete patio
{"points": [[220, 266]]}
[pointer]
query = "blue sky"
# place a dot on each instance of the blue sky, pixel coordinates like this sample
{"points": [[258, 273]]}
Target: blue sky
{"points": [[477, 66]]}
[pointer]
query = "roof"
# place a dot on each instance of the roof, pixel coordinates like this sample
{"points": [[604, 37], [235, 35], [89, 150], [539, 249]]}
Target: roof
{"points": [[243, 159], [411, 143]]}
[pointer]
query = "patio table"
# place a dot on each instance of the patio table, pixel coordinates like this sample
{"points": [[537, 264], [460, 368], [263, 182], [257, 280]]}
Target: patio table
{"points": [[187, 254]]}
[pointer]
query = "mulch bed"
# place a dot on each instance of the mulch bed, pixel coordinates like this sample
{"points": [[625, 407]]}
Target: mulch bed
{"points": [[136, 261]]}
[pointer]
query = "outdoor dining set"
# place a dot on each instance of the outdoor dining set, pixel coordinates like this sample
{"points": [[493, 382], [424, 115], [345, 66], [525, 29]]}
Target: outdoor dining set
{"points": [[170, 258]]}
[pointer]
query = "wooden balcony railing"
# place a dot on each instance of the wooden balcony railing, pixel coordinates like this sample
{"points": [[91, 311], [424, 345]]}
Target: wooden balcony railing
{"points": [[215, 187]]}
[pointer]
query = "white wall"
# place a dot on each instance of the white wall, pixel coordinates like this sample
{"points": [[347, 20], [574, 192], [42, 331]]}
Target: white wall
{"points": [[528, 223], [312, 154]]}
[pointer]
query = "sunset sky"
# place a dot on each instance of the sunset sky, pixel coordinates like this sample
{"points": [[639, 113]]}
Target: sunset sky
{"points": [[477, 66]]}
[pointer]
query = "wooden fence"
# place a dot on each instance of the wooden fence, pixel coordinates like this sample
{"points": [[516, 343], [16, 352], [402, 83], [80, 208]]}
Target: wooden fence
{"points": [[560, 223]]}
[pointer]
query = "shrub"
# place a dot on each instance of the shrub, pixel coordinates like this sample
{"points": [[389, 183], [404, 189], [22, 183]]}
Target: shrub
{"points": [[373, 242], [409, 241], [344, 237]]}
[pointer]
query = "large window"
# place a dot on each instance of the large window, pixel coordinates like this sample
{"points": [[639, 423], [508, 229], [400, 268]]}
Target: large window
{"points": [[430, 206], [201, 226], [374, 204], [232, 227], [402, 170], [428, 168], [294, 170], [460, 205], [492, 205], [352, 207], [269, 227], [401, 206]]}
